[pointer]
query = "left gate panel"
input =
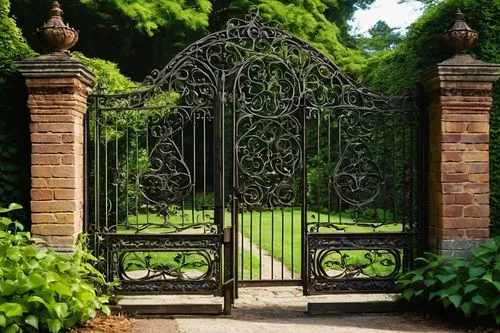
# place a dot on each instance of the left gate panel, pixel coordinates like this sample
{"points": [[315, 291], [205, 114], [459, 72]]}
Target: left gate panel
{"points": [[151, 194]]}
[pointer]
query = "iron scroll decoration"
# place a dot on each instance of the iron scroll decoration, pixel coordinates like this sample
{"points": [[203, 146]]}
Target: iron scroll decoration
{"points": [[274, 84]]}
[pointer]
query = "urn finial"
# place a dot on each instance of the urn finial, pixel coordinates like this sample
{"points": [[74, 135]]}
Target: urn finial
{"points": [[460, 38], [57, 35]]}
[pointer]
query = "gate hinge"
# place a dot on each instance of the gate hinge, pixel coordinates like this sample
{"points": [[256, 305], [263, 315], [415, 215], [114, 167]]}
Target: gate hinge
{"points": [[227, 234]]}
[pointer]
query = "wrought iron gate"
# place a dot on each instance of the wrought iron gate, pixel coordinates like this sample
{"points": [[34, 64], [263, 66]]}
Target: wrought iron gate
{"points": [[251, 134]]}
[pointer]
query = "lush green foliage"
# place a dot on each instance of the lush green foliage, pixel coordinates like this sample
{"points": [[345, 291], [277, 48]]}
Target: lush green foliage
{"points": [[14, 131], [471, 287], [142, 35], [41, 290], [380, 37], [397, 70], [107, 73]]}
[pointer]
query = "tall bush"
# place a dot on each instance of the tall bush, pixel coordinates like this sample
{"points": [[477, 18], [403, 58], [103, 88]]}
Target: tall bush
{"points": [[397, 70], [14, 128]]}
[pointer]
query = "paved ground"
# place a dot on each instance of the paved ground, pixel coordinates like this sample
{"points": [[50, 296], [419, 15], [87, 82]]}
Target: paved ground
{"points": [[282, 309]]}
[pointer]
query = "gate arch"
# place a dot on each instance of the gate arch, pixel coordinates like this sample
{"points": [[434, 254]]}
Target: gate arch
{"points": [[245, 123]]}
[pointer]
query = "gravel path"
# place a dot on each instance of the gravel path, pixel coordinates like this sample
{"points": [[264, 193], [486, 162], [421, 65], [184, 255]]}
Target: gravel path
{"points": [[271, 268]]}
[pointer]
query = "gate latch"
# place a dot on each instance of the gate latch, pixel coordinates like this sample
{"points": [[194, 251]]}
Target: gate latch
{"points": [[227, 234]]}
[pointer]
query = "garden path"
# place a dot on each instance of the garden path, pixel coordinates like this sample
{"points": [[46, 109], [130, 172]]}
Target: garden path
{"points": [[282, 310], [271, 268]]}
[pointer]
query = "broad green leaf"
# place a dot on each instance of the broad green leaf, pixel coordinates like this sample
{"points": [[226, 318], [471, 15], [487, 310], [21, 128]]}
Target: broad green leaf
{"points": [[470, 287], [54, 325], [3, 320], [467, 308], [476, 271], [478, 299], [11, 309], [444, 278], [32, 321], [455, 300]]}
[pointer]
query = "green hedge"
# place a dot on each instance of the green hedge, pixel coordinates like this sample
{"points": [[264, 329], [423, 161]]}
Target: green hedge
{"points": [[14, 117], [397, 70]]}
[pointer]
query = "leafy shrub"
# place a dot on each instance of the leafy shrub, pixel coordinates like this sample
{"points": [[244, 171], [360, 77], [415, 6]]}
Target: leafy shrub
{"points": [[470, 286], [41, 290], [14, 117]]}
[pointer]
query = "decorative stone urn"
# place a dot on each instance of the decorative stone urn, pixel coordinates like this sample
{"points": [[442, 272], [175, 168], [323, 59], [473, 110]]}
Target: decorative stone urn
{"points": [[460, 38], [56, 35]]}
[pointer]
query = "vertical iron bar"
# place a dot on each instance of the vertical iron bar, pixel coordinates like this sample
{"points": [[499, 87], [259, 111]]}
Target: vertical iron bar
{"points": [[260, 244], [136, 168], [304, 258], [291, 244], [282, 243], [272, 244], [126, 167], [118, 180], [251, 242], [193, 199], [86, 175]]}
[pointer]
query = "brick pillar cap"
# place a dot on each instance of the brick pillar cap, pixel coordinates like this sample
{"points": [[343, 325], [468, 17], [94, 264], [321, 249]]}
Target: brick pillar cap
{"points": [[460, 68], [56, 66]]}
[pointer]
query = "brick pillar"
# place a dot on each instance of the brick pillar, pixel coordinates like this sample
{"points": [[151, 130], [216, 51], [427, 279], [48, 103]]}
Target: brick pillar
{"points": [[58, 88], [459, 95]]}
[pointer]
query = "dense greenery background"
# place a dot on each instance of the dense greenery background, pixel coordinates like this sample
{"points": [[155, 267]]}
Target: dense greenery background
{"points": [[141, 35]]}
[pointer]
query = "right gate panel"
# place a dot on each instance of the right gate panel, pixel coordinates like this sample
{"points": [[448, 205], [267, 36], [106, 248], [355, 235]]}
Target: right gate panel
{"points": [[362, 155]]}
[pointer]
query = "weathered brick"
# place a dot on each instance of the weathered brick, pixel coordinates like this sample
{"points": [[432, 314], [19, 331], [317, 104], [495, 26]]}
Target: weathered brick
{"points": [[42, 195], [452, 188], [39, 182], [477, 188], [451, 156], [465, 223], [454, 167], [478, 127], [52, 229], [475, 138], [66, 148], [68, 218], [475, 156], [62, 183], [477, 211], [43, 218], [46, 159], [52, 127], [455, 127], [452, 210], [464, 198], [479, 178], [41, 171], [61, 241], [478, 233], [52, 206], [454, 177], [448, 198], [65, 194], [482, 198], [451, 138], [478, 167], [452, 233], [63, 171], [46, 138]]}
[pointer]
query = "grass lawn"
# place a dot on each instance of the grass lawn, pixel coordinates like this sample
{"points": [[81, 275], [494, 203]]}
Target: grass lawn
{"points": [[278, 232], [286, 246]]}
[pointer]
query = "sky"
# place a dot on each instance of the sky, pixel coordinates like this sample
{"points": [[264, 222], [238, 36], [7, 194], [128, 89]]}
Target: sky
{"points": [[396, 15]]}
